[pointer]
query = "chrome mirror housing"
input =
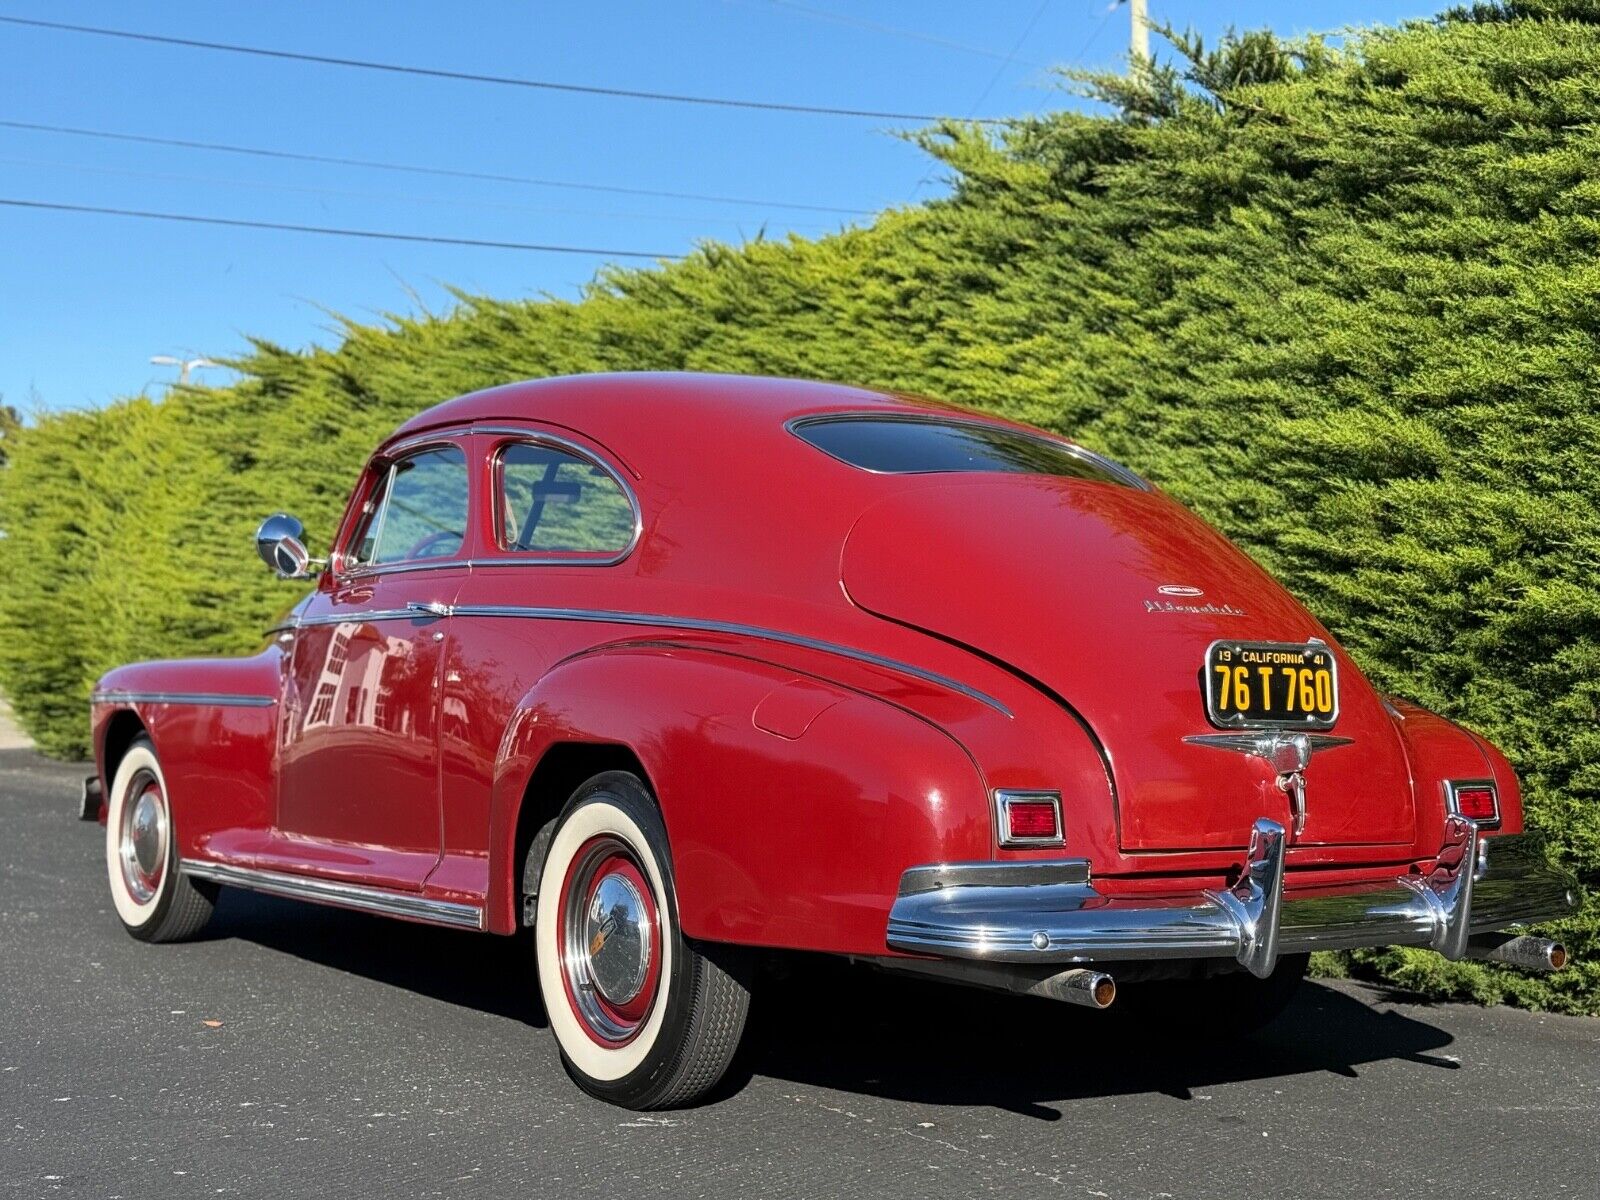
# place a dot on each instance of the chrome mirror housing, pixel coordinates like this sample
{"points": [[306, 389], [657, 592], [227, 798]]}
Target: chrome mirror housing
{"points": [[280, 545]]}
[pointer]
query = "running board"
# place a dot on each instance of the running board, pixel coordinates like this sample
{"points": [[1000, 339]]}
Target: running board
{"points": [[344, 895]]}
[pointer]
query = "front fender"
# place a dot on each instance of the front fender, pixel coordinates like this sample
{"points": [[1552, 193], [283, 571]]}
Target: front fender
{"points": [[792, 804], [214, 725]]}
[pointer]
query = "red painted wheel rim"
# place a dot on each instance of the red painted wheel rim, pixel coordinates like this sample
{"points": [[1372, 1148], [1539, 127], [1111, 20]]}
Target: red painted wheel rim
{"points": [[609, 940]]}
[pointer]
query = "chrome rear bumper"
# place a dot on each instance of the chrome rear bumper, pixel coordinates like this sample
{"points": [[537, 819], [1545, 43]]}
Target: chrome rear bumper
{"points": [[1050, 912]]}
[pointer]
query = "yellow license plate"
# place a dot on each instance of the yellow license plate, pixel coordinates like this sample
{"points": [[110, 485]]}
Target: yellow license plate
{"points": [[1271, 685]]}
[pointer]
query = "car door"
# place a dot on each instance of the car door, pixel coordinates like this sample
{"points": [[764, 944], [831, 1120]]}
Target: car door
{"points": [[359, 763], [557, 529]]}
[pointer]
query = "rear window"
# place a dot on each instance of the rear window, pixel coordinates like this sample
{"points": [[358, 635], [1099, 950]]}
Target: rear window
{"points": [[914, 446]]}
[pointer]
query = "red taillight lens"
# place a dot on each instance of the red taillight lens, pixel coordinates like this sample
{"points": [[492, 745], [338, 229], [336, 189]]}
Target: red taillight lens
{"points": [[1033, 819], [1029, 818], [1477, 802]]}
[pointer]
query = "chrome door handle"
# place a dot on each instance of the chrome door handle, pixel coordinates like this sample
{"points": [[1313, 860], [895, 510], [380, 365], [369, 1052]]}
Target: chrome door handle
{"points": [[434, 608]]}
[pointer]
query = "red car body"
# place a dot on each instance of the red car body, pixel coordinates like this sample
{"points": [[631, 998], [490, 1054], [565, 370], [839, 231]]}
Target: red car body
{"points": [[825, 676]]}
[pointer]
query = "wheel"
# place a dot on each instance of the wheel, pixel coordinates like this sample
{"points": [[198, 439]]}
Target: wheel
{"points": [[1220, 1008], [642, 1017], [154, 900]]}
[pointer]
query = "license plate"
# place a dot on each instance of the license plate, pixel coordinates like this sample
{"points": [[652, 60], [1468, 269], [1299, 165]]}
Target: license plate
{"points": [[1271, 685]]}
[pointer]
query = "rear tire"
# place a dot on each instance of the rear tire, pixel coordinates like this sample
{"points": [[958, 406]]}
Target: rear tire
{"points": [[154, 901], [1221, 1008], [643, 1018]]}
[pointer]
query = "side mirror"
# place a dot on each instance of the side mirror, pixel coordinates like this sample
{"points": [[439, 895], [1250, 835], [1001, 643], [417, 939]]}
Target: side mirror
{"points": [[278, 542]]}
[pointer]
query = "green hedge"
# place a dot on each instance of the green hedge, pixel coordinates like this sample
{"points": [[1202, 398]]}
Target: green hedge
{"points": [[1343, 302]]}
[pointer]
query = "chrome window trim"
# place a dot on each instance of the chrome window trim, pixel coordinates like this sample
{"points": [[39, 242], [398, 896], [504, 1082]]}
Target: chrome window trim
{"points": [[509, 434], [1004, 798], [391, 455], [602, 616], [217, 699], [795, 424], [345, 895], [1452, 804]]}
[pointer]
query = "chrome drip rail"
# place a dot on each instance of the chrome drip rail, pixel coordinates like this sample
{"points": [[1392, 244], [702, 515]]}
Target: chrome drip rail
{"points": [[1044, 912]]}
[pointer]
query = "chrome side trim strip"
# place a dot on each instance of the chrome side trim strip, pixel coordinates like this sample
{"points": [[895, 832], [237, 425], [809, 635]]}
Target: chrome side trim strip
{"points": [[361, 617], [602, 616], [345, 895], [217, 699], [700, 625]]}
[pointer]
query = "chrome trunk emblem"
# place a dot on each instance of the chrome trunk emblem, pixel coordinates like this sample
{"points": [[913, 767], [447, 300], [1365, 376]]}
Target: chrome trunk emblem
{"points": [[1288, 753]]}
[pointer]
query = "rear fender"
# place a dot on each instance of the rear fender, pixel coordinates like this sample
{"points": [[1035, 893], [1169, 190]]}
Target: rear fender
{"points": [[1440, 750], [792, 804]]}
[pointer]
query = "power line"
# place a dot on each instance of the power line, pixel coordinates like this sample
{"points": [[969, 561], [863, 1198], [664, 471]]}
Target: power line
{"points": [[472, 77], [413, 169], [235, 181], [1011, 57], [1010, 60], [329, 231]]}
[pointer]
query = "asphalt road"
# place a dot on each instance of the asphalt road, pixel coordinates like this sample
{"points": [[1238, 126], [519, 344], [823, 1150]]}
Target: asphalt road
{"points": [[359, 1057]]}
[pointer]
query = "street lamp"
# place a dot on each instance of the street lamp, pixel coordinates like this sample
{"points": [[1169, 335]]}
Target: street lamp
{"points": [[184, 365]]}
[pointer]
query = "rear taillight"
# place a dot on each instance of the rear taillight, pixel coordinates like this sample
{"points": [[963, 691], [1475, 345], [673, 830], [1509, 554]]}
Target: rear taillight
{"points": [[1475, 799], [1028, 818]]}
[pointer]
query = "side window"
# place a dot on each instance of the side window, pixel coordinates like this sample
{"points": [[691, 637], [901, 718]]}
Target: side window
{"points": [[553, 502], [417, 512]]}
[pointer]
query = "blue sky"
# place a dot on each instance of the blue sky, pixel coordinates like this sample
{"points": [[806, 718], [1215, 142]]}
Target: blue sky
{"points": [[86, 300]]}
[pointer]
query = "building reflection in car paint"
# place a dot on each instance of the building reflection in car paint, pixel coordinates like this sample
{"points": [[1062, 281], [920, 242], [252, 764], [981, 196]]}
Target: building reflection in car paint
{"points": [[351, 688]]}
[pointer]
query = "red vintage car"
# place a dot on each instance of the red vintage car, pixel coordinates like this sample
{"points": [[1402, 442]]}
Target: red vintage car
{"points": [[677, 671]]}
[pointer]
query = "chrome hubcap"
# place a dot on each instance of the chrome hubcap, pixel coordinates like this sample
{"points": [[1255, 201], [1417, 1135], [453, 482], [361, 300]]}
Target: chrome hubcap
{"points": [[609, 936], [618, 939], [144, 838]]}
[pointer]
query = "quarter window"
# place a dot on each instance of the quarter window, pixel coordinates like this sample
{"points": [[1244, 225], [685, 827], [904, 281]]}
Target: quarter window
{"points": [[418, 510], [551, 501]]}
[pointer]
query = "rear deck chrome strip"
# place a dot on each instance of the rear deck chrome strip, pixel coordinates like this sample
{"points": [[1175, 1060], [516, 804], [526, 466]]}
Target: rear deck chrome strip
{"points": [[345, 895], [219, 699]]}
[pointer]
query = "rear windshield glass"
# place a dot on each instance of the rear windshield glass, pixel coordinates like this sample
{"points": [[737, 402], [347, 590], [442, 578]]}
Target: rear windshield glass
{"points": [[907, 447]]}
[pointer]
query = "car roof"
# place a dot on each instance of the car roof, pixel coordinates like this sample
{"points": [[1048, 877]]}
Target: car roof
{"points": [[625, 404]]}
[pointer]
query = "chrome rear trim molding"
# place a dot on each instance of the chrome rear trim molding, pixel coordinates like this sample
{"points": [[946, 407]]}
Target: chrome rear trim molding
{"points": [[1023, 873], [996, 913], [217, 699], [344, 895]]}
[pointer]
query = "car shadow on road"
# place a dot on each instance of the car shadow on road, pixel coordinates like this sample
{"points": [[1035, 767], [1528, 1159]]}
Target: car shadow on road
{"points": [[856, 1030], [491, 974], [828, 1024]]}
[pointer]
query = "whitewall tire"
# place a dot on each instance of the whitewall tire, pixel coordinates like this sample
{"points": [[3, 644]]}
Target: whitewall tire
{"points": [[642, 1017], [154, 901]]}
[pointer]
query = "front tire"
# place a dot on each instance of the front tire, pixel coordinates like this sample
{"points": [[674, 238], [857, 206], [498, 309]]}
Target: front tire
{"points": [[643, 1019], [154, 900]]}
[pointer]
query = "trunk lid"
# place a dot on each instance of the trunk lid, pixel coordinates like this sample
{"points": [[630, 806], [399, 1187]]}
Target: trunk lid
{"points": [[1109, 596]]}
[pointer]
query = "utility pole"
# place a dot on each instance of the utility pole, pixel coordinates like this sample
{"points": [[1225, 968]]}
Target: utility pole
{"points": [[184, 365], [1139, 34]]}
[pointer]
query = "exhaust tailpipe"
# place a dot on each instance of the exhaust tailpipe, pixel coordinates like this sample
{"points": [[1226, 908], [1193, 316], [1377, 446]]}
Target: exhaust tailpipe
{"points": [[1092, 989], [1529, 953]]}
